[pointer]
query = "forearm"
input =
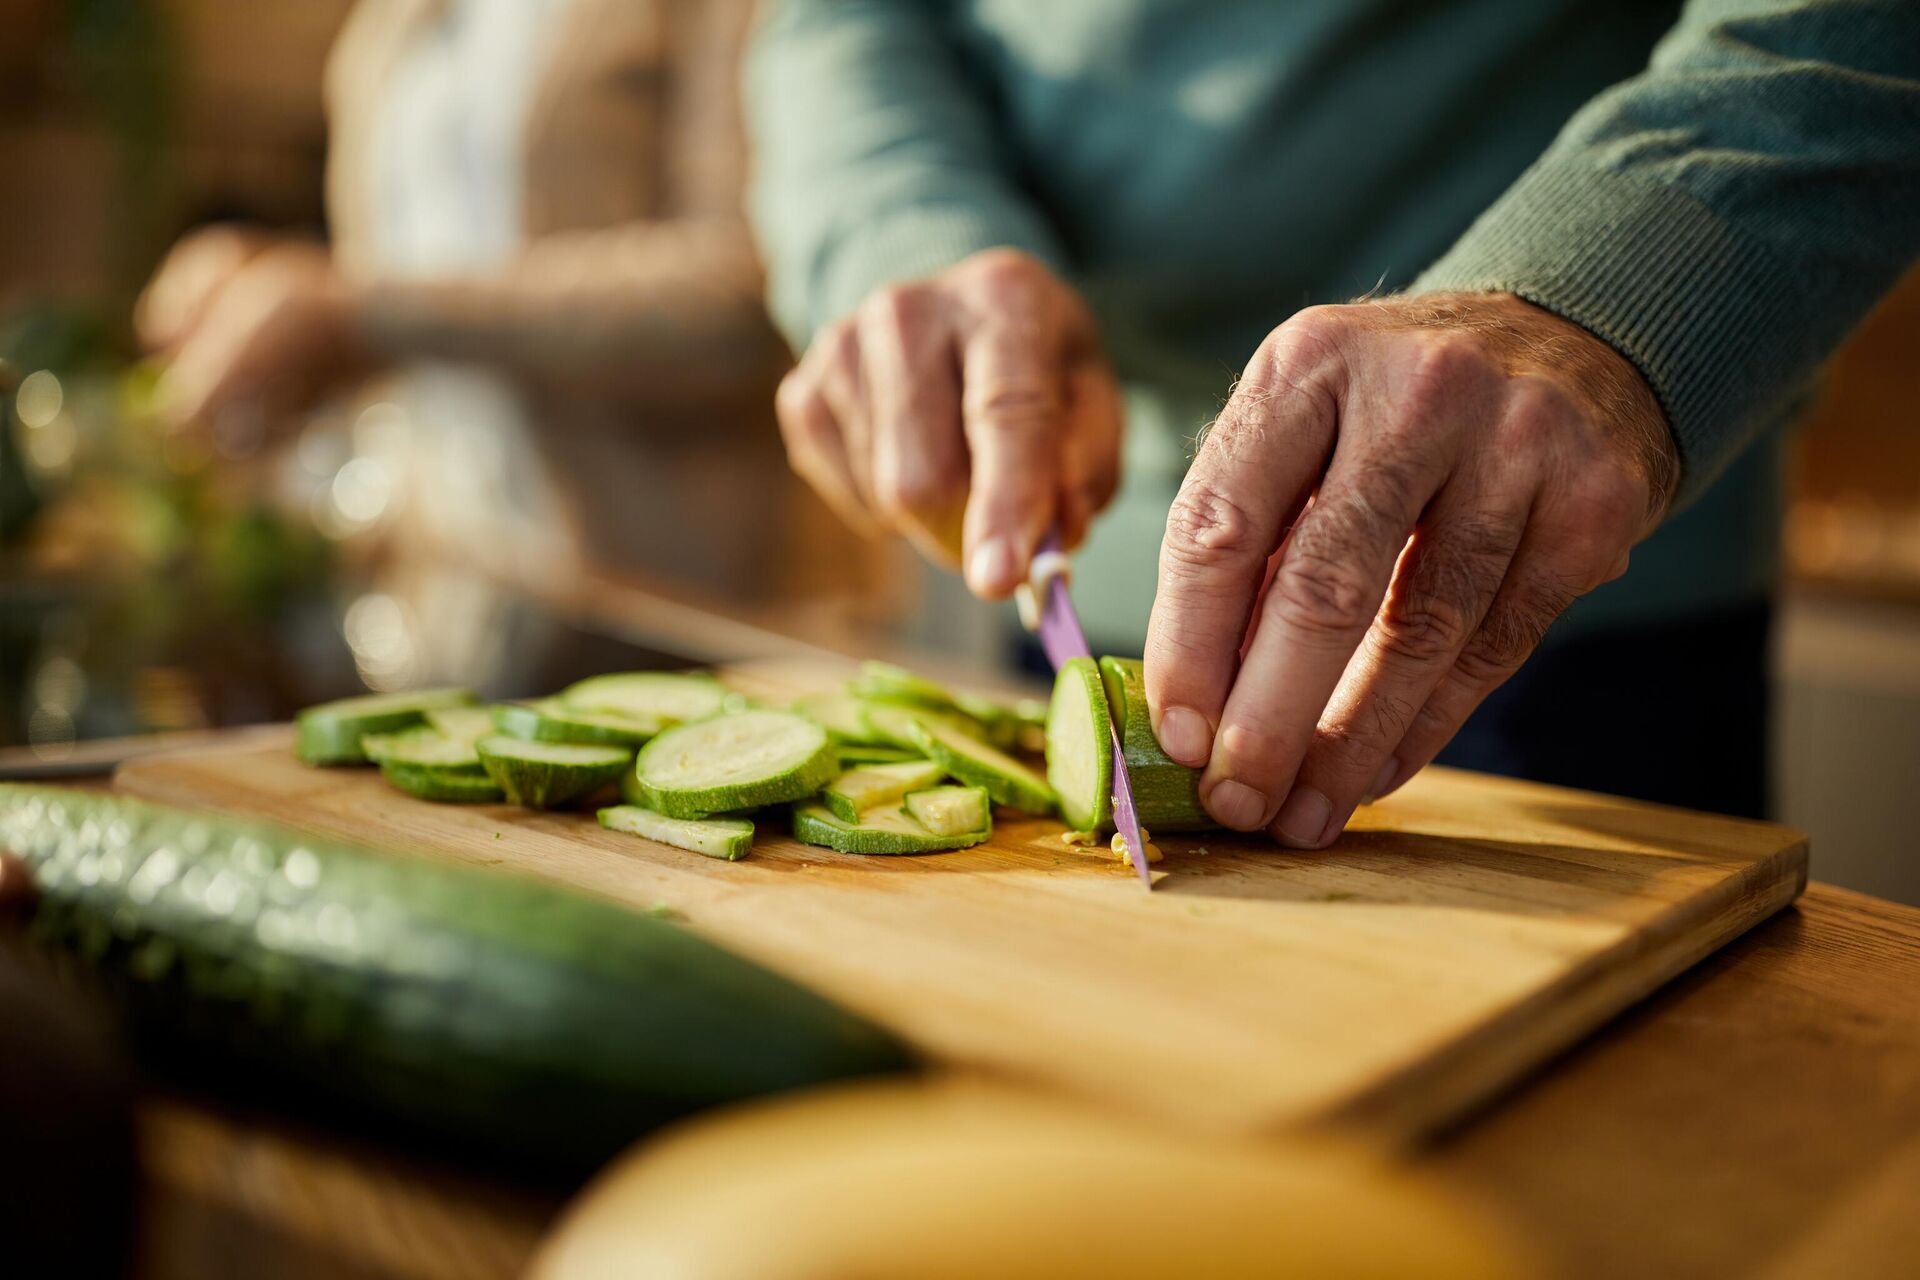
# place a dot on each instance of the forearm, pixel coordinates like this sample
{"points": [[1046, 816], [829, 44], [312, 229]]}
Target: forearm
{"points": [[1726, 217], [664, 314]]}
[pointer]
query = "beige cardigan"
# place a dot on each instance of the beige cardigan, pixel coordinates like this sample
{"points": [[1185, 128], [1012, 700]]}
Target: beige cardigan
{"points": [[633, 321]]}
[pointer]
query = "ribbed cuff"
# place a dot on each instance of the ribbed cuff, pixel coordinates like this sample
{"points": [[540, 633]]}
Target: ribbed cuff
{"points": [[1703, 312], [916, 241]]}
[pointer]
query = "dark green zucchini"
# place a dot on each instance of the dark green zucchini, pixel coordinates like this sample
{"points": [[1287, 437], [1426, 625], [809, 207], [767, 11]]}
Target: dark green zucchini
{"points": [[517, 1017]]}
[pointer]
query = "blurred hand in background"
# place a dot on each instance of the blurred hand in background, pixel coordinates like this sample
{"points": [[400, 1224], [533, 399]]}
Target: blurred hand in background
{"points": [[248, 322], [968, 412]]}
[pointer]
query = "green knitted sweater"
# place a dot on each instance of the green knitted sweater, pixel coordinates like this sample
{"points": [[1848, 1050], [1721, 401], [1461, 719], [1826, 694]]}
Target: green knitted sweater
{"points": [[1720, 190]]}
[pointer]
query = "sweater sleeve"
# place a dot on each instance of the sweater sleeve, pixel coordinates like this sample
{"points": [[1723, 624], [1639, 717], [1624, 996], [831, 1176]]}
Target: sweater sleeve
{"points": [[875, 159], [1724, 218]]}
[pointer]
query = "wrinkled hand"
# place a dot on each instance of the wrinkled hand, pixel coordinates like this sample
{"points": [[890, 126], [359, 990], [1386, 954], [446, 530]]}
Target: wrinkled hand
{"points": [[968, 412], [250, 323], [1397, 501]]}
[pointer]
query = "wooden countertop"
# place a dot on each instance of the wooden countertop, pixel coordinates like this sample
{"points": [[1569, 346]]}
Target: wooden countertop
{"points": [[1758, 1116]]}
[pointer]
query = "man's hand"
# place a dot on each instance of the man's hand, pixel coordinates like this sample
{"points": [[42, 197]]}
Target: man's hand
{"points": [[250, 323], [968, 411], [1397, 501]]}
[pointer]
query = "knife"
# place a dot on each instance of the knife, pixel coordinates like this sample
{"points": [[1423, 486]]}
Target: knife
{"points": [[1047, 609]]}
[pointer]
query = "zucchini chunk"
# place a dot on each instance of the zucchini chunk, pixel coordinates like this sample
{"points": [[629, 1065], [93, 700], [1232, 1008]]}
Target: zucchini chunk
{"points": [[1166, 792]]}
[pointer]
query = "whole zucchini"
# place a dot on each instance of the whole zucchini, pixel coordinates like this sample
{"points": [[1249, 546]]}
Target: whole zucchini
{"points": [[519, 1018]]}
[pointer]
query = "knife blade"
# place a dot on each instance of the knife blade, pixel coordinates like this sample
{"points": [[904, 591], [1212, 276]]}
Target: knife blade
{"points": [[1061, 635]]}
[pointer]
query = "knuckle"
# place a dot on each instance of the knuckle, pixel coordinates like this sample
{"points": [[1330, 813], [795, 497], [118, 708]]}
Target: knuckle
{"points": [[897, 306], [793, 398], [1017, 406], [910, 493], [1206, 527], [1607, 499], [1253, 744], [1002, 270], [1424, 626], [1440, 367], [1321, 595]]}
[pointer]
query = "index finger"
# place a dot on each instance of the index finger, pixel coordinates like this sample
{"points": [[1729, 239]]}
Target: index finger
{"points": [[1012, 408], [1256, 467]]}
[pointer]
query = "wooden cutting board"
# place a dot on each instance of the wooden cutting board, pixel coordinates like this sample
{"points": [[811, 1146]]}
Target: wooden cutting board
{"points": [[1460, 933]]}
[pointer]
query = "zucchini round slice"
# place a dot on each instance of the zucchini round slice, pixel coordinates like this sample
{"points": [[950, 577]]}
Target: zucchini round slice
{"points": [[879, 831], [839, 714], [442, 784], [330, 733], [656, 698], [1007, 780], [726, 838], [541, 775], [421, 745], [741, 760], [1080, 746], [549, 720]]}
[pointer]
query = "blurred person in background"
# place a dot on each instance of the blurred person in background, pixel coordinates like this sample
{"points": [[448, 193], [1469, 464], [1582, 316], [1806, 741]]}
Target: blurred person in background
{"points": [[1600, 252], [534, 215]]}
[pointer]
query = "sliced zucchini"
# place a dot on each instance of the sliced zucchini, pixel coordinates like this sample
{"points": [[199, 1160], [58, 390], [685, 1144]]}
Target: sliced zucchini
{"points": [[1165, 792], [856, 753], [857, 790], [893, 723], [548, 720], [839, 714], [741, 760], [422, 744], [468, 723], [879, 831], [950, 811], [330, 733], [442, 784], [885, 682], [541, 775], [656, 698], [1007, 780], [1080, 746], [727, 838]]}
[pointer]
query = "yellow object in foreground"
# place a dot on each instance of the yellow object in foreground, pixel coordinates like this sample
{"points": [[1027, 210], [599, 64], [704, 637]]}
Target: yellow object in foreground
{"points": [[946, 1181]]}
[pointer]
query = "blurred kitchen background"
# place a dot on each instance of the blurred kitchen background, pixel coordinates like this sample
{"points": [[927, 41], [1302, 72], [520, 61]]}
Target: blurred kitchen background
{"points": [[173, 581]]}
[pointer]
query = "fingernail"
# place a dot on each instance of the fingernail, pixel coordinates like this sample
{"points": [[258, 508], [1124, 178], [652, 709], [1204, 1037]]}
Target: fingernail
{"points": [[1186, 736], [1380, 780], [991, 570], [1302, 822], [1237, 805]]}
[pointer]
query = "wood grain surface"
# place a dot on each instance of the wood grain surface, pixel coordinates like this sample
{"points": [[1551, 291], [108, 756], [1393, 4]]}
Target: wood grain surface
{"points": [[1461, 933], [1759, 1116]]}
